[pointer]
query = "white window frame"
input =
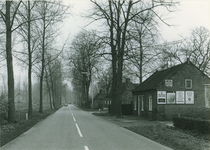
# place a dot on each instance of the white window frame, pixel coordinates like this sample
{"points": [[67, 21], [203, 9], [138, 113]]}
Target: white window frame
{"points": [[187, 80], [142, 102], [207, 103], [135, 103], [150, 103], [139, 108]]}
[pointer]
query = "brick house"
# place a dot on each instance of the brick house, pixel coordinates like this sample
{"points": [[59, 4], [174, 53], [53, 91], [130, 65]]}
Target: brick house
{"points": [[182, 90]]}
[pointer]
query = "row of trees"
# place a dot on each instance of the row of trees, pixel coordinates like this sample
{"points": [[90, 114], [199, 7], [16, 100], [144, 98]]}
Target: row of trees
{"points": [[36, 22], [129, 46]]}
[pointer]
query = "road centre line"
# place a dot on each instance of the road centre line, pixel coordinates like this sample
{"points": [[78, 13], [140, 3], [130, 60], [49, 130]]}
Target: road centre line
{"points": [[86, 148], [74, 119], [80, 134], [70, 110]]}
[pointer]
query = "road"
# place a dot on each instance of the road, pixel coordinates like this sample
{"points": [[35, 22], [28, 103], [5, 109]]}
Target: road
{"points": [[71, 128]]}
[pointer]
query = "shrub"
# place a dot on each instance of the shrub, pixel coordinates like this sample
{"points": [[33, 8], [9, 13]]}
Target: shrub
{"points": [[127, 109], [200, 125], [3, 105]]}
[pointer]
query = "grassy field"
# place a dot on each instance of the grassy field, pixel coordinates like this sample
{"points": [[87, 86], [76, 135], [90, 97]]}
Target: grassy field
{"points": [[9, 132]]}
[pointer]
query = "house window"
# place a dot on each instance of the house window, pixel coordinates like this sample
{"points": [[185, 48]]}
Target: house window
{"points": [[142, 103], [135, 102], [207, 96], [169, 83], [188, 84], [150, 103]]}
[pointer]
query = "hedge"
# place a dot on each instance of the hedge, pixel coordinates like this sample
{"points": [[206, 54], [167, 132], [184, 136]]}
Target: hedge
{"points": [[126, 109], [200, 125]]}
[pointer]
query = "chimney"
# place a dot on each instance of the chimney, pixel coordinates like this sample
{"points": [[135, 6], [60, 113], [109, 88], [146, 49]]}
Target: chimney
{"points": [[188, 60], [127, 80]]}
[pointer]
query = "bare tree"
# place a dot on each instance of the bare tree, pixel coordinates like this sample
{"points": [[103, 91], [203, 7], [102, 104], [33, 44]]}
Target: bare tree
{"points": [[51, 12], [197, 48], [27, 16], [118, 15], [84, 57], [143, 35], [9, 18]]}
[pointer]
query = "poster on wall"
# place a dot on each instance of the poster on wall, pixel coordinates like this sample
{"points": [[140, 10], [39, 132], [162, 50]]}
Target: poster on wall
{"points": [[161, 97], [189, 97], [171, 97], [180, 97]]}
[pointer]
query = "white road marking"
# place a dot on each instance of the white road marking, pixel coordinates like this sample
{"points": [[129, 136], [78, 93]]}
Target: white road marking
{"points": [[80, 134], [74, 119], [71, 112], [86, 148]]}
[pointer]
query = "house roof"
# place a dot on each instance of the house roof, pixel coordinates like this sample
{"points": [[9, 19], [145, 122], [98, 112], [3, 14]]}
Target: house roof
{"points": [[100, 96], [155, 79]]}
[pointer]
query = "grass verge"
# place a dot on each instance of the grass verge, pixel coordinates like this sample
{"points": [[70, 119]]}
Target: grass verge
{"points": [[172, 137], [10, 131]]}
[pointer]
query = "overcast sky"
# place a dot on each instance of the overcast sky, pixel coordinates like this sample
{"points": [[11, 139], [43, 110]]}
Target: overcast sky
{"points": [[189, 14]]}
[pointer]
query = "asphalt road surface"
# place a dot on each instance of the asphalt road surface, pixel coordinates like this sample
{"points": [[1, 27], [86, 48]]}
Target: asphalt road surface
{"points": [[73, 129]]}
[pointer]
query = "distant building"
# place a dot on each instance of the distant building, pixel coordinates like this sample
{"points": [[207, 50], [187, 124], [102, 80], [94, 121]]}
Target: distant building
{"points": [[103, 99], [182, 90]]}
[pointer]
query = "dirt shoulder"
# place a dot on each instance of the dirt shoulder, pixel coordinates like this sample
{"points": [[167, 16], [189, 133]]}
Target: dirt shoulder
{"points": [[161, 132], [8, 132]]}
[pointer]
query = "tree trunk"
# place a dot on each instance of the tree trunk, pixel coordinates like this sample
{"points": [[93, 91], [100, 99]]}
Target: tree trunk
{"points": [[43, 63], [53, 90], [29, 63], [48, 88], [141, 62], [11, 99], [114, 61], [42, 72]]}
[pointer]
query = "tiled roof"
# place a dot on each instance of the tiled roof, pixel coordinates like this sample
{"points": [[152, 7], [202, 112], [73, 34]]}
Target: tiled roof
{"points": [[155, 79]]}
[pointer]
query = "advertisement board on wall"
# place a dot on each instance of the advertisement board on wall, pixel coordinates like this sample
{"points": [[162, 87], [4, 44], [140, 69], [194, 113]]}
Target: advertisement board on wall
{"points": [[180, 97], [171, 97], [189, 97], [161, 97]]}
